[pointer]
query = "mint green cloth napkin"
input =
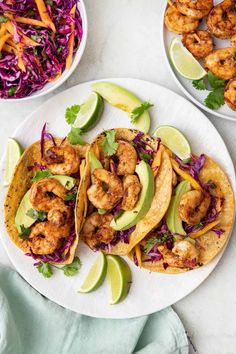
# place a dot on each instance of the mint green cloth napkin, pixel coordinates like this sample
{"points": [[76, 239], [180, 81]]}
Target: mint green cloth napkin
{"points": [[31, 324]]}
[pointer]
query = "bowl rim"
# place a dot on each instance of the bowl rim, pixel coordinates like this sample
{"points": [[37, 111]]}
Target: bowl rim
{"points": [[66, 73]]}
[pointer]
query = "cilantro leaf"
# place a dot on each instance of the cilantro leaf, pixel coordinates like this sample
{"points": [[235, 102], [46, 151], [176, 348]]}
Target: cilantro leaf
{"points": [[145, 157], [138, 111], [36, 214], [109, 144], [215, 99], [153, 241], [70, 197], [41, 174], [214, 81], [12, 91], [71, 113], [102, 211], [73, 268], [45, 269], [199, 84], [24, 232], [74, 136]]}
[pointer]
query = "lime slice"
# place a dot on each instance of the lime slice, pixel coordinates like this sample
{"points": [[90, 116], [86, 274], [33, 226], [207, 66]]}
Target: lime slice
{"points": [[96, 275], [119, 278], [90, 112], [184, 62], [172, 138], [14, 152]]}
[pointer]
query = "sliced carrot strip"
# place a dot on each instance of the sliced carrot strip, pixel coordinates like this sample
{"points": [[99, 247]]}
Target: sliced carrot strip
{"points": [[138, 255], [201, 232], [11, 43], [30, 21], [3, 40], [69, 58], [157, 161], [3, 30], [44, 15], [9, 49], [26, 40], [20, 62], [185, 175]]}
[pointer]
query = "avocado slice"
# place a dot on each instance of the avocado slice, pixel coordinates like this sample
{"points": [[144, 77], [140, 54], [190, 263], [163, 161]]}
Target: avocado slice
{"points": [[125, 100], [21, 218], [173, 219], [132, 217], [94, 162]]}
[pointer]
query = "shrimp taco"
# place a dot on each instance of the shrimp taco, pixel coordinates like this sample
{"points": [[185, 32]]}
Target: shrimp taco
{"points": [[198, 221], [40, 202], [125, 190]]}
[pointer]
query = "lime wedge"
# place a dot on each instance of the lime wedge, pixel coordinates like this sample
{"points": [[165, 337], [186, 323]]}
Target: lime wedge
{"points": [[90, 112], [14, 152], [184, 62], [119, 278], [174, 140], [95, 276]]}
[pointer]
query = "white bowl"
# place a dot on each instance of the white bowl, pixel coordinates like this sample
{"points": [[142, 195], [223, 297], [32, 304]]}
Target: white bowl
{"points": [[51, 86]]}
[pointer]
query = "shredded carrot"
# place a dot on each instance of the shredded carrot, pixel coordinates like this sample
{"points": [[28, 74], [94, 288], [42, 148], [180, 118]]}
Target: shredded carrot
{"points": [[30, 21], [44, 15], [55, 77], [3, 40], [11, 43], [185, 175], [201, 232], [25, 40], [3, 30], [20, 62], [71, 40], [157, 161], [9, 49], [138, 255]]}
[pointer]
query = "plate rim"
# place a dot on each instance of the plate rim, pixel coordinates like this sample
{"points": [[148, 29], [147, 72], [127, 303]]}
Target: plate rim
{"points": [[183, 89], [208, 271]]}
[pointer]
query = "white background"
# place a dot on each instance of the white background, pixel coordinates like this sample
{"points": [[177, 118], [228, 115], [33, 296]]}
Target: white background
{"points": [[124, 41]]}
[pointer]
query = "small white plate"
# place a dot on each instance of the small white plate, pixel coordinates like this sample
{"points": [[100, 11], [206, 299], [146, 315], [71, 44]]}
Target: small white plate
{"points": [[149, 292], [196, 96]]}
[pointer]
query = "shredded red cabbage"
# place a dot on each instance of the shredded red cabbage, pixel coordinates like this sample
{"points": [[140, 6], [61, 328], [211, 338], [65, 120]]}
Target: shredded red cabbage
{"points": [[194, 166], [144, 150], [218, 232], [44, 62]]}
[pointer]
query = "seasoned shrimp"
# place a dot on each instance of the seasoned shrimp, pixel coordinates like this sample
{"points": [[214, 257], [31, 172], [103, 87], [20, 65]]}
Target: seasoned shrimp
{"points": [[46, 194], [233, 41], [174, 179], [132, 189], [44, 238], [194, 8], [221, 20], [60, 215], [179, 23], [222, 63], [97, 230], [106, 191], [199, 43], [126, 158], [230, 94], [186, 251], [193, 206], [62, 160]]}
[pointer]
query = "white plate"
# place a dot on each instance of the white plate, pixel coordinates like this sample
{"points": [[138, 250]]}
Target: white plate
{"points": [[185, 85], [149, 291]]}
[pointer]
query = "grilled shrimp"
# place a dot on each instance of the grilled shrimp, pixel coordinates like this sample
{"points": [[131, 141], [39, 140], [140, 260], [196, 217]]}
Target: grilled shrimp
{"points": [[46, 194], [132, 189], [97, 230], [60, 215], [222, 63], [221, 20], [44, 238], [186, 251], [199, 43], [233, 41], [179, 23], [62, 160], [126, 156], [106, 191], [194, 8], [193, 206], [230, 94]]}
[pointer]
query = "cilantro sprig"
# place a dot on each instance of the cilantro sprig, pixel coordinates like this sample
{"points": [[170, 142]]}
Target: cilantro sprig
{"points": [[24, 232], [153, 241], [36, 214], [109, 144], [69, 270], [71, 113], [41, 174], [74, 136], [215, 98], [138, 111]]}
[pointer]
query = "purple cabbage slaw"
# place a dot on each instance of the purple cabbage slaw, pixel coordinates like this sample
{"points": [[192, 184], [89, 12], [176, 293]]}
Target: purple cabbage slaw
{"points": [[46, 61], [144, 150]]}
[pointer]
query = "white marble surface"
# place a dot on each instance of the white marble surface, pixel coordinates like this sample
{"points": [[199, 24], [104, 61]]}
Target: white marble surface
{"points": [[124, 41]]}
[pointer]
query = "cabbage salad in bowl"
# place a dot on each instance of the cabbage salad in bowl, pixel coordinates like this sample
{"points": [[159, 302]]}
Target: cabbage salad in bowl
{"points": [[38, 39]]}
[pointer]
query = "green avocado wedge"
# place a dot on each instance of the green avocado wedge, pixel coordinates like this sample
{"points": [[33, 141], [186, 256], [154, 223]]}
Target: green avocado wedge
{"points": [[173, 220], [94, 163], [21, 218], [132, 217], [123, 99]]}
